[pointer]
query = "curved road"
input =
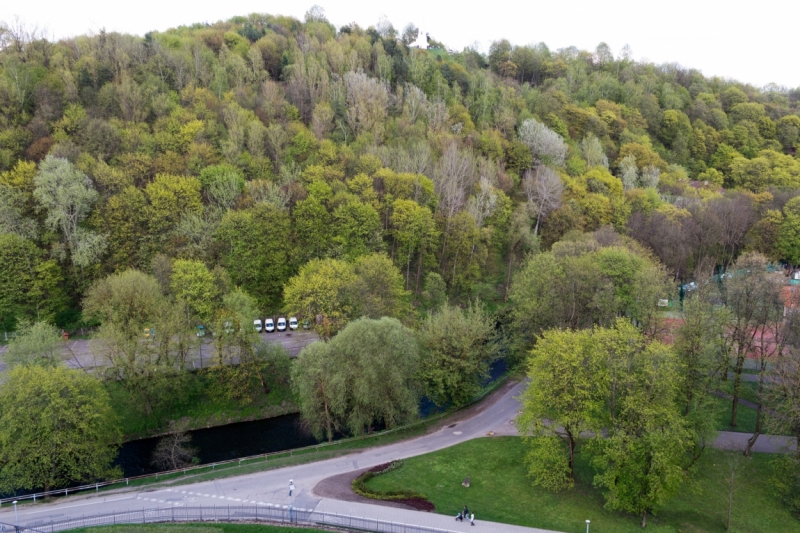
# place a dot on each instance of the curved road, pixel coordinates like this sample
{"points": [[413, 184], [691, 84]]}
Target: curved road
{"points": [[271, 487]]}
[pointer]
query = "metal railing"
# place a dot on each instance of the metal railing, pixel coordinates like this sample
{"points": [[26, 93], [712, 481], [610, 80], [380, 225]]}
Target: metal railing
{"points": [[266, 456], [279, 514]]}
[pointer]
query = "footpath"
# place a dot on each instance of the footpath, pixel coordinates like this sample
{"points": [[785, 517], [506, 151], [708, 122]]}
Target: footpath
{"points": [[419, 518]]}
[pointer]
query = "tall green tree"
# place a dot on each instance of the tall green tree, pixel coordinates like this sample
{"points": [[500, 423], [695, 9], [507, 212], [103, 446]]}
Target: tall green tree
{"points": [[456, 351], [564, 399], [362, 377], [703, 358], [752, 296], [37, 344], [320, 389], [195, 287], [67, 195], [256, 245], [129, 304], [378, 288], [787, 242], [642, 461], [321, 291], [415, 232], [357, 229], [56, 428]]}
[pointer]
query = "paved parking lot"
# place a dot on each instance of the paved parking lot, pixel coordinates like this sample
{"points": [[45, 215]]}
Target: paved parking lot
{"points": [[78, 354]]}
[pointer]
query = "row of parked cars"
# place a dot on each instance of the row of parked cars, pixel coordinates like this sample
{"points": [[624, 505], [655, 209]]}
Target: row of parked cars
{"points": [[269, 325]]}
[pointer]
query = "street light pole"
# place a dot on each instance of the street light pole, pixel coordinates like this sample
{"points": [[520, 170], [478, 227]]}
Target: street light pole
{"points": [[16, 517], [291, 498], [587, 526]]}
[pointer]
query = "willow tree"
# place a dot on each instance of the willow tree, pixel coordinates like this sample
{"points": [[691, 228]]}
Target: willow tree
{"points": [[365, 376], [56, 427]]}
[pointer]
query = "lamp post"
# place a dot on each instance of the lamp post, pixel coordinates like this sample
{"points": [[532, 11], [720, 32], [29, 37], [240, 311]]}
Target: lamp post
{"points": [[16, 517], [587, 525], [291, 498]]}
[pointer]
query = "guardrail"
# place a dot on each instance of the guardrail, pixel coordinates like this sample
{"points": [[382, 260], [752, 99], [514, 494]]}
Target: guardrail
{"points": [[251, 513], [315, 447]]}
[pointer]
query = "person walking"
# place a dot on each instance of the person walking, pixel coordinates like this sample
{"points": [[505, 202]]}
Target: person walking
{"points": [[465, 512], [472, 519]]}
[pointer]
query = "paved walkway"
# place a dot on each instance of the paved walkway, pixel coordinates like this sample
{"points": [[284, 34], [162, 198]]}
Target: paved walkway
{"points": [[729, 440], [404, 516]]}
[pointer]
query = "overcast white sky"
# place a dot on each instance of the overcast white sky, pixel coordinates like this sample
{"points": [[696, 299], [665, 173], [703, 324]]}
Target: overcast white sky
{"points": [[754, 43]]}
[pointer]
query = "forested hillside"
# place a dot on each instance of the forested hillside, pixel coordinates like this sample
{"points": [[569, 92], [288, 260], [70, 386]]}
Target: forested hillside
{"points": [[246, 152]]}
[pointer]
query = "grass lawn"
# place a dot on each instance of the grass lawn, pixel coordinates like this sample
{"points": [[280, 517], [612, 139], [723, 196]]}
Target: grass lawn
{"points": [[747, 390], [195, 528], [745, 417], [500, 491], [198, 404]]}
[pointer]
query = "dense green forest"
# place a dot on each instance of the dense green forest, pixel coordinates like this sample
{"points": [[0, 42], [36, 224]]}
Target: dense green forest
{"points": [[265, 145]]}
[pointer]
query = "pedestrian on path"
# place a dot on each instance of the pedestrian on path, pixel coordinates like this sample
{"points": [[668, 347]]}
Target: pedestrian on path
{"points": [[465, 512], [459, 516], [472, 519]]}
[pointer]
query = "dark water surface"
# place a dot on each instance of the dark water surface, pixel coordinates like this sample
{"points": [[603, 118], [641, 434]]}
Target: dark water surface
{"points": [[221, 443], [243, 439]]}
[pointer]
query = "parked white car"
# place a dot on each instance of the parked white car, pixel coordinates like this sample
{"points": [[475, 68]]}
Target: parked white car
{"points": [[293, 323], [269, 325], [281, 324], [257, 325]]}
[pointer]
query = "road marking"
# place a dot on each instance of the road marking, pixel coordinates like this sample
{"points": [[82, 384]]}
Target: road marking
{"points": [[456, 433], [76, 505]]}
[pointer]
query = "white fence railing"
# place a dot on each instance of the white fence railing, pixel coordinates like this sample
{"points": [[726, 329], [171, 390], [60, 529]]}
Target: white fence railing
{"points": [[244, 513]]}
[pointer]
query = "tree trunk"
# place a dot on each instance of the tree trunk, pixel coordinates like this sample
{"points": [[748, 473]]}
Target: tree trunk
{"points": [[419, 274], [508, 274], [408, 267], [571, 442], [644, 519], [329, 429], [759, 414], [737, 383], [752, 440]]}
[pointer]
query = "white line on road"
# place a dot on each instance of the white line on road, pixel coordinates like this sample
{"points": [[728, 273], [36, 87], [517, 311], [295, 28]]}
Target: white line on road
{"points": [[77, 505]]}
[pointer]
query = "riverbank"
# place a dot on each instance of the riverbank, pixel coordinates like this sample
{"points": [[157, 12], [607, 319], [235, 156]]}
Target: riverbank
{"points": [[198, 405], [323, 451]]}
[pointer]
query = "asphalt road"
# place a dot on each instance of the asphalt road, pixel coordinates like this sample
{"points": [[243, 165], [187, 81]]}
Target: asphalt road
{"points": [[78, 353], [271, 487]]}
